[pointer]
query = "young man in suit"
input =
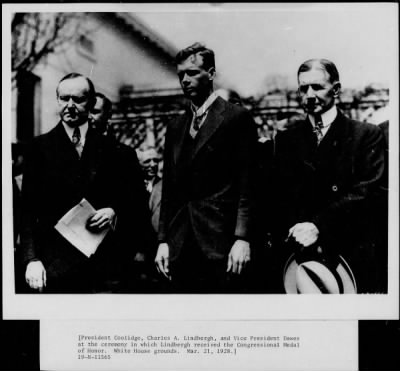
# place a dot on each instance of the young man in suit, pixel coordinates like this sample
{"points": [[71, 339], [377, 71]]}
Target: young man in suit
{"points": [[71, 162], [206, 204], [327, 175]]}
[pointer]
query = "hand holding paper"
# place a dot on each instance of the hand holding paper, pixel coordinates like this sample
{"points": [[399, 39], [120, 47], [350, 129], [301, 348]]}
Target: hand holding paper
{"points": [[73, 226], [101, 219]]}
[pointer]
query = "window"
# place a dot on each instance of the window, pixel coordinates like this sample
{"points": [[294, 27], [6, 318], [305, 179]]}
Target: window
{"points": [[28, 106], [86, 47]]}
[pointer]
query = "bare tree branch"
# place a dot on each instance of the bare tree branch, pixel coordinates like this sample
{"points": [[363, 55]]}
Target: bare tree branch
{"points": [[36, 35]]}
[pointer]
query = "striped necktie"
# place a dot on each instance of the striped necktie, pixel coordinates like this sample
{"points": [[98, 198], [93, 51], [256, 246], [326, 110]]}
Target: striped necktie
{"points": [[318, 125], [197, 119], [76, 140], [196, 122]]}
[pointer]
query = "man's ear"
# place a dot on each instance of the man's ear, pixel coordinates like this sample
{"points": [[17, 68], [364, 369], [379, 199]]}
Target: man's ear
{"points": [[336, 88], [211, 73]]}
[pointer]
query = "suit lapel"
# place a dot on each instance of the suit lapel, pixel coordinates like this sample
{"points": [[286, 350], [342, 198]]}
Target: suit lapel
{"points": [[94, 153], [330, 145], [299, 144], [211, 124], [181, 131], [64, 149], [92, 147]]}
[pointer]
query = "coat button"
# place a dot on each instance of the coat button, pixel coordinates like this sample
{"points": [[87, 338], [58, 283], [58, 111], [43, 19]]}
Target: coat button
{"points": [[334, 188]]}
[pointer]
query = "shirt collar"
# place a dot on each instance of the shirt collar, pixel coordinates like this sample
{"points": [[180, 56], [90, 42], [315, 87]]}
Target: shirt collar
{"points": [[70, 131], [205, 106], [327, 117]]}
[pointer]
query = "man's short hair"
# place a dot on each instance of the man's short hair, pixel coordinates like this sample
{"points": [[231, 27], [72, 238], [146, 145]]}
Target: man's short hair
{"points": [[107, 103], [200, 49], [326, 64], [92, 91]]}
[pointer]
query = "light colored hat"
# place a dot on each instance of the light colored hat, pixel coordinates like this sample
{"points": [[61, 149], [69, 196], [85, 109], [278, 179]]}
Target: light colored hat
{"points": [[314, 277]]}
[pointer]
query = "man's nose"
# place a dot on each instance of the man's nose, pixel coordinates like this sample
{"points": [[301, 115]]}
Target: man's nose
{"points": [[185, 80], [310, 92], [70, 103]]}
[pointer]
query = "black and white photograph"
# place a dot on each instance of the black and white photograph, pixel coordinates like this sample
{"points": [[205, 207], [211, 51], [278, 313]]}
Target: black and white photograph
{"points": [[160, 160]]}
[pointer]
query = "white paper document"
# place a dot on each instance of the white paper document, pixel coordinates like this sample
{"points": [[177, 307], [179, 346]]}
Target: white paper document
{"points": [[72, 226], [199, 345]]}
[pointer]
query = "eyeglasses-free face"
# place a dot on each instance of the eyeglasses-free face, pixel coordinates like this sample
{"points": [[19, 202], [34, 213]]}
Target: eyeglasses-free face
{"points": [[73, 101], [317, 93]]}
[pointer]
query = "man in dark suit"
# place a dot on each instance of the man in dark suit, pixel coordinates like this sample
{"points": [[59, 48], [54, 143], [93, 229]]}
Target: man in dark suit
{"points": [[101, 113], [328, 169], [130, 169], [204, 230], [71, 162], [149, 160]]}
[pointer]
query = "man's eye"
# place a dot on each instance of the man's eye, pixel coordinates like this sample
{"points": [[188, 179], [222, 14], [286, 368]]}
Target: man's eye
{"points": [[317, 87], [76, 99], [79, 99]]}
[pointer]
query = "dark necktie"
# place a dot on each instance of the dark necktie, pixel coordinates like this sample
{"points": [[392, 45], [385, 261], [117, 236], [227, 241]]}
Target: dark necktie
{"points": [[196, 122], [318, 125], [76, 140]]}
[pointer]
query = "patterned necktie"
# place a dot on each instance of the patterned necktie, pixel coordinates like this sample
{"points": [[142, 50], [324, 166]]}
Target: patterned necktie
{"points": [[318, 127], [76, 140], [196, 124]]}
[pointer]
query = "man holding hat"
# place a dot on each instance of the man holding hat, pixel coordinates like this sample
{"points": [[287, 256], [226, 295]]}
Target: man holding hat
{"points": [[327, 175]]}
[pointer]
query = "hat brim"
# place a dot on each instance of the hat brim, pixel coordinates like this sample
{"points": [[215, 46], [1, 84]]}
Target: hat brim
{"points": [[313, 277]]}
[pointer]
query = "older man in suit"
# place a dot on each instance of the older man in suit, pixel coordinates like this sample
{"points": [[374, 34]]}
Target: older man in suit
{"points": [[328, 169], [149, 160], [71, 162], [204, 230]]}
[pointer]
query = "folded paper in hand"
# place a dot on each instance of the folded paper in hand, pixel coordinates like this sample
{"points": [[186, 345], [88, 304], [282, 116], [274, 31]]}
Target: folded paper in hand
{"points": [[72, 226]]}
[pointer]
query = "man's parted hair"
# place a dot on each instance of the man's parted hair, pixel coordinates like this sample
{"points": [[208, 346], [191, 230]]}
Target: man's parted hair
{"points": [[326, 64], [200, 49], [92, 91], [107, 102]]}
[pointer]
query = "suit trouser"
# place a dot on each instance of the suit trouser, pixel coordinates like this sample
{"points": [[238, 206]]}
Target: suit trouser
{"points": [[79, 280], [194, 272]]}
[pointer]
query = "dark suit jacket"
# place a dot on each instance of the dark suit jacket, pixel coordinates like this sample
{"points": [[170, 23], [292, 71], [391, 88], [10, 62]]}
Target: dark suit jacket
{"points": [[155, 203], [208, 193], [55, 180], [333, 185]]}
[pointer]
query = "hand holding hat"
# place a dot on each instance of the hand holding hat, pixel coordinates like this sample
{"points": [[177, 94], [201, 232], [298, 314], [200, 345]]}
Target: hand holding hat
{"points": [[318, 276], [306, 234]]}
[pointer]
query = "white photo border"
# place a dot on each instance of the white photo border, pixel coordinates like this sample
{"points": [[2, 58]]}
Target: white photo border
{"points": [[195, 307]]}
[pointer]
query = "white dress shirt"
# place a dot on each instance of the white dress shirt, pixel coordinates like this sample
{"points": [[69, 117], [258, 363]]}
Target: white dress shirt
{"points": [[83, 129], [327, 118], [201, 112]]}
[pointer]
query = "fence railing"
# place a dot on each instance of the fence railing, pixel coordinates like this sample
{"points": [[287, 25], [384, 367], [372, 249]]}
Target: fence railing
{"points": [[143, 128]]}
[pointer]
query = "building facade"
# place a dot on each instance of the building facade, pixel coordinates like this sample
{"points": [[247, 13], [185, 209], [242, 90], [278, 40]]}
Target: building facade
{"points": [[114, 49]]}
